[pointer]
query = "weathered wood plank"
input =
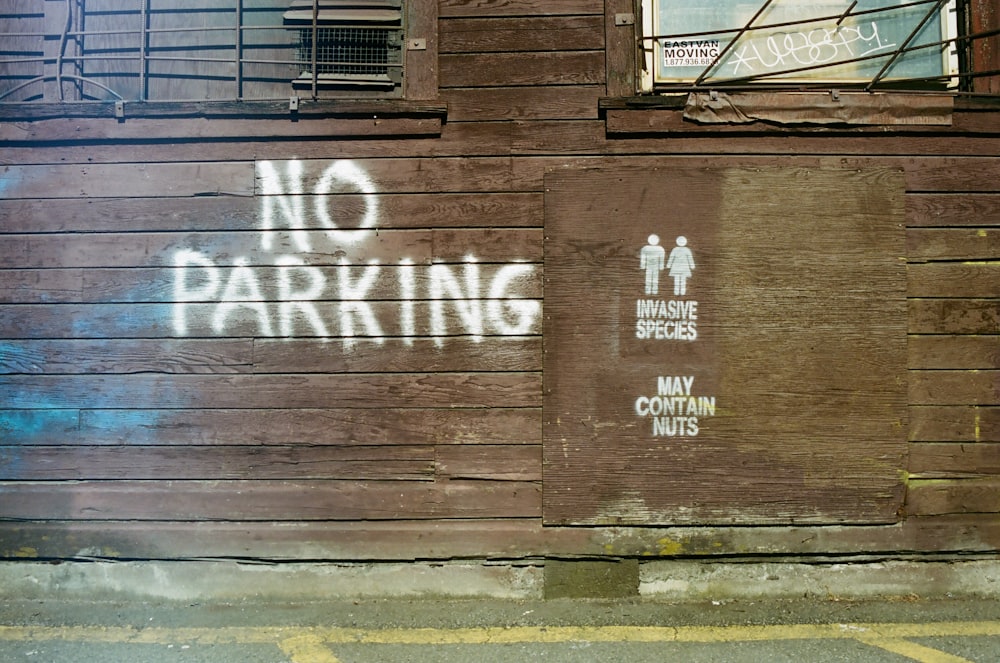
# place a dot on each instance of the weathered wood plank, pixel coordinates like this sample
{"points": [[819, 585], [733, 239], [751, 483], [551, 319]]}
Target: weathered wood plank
{"points": [[515, 69], [421, 65], [312, 426], [621, 52], [539, 8], [456, 139], [243, 213], [507, 353], [953, 461], [312, 247], [494, 462], [408, 175], [517, 34], [137, 463], [668, 120], [687, 138], [351, 323], [470, 390], [269, 500], [933, 497], [51, 285], [169, 180], [954, 316], [946, 209], [127, 356], [958, 423], [578, 102], [972, 352], [504, 538], [954, 387], [145, 129], [929, 244], [965, 279]]}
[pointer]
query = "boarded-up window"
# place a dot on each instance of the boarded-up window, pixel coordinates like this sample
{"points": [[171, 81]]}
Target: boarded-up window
{"points": [[724, 346]]}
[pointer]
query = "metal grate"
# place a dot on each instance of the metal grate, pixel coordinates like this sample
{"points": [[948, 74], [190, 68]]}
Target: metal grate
{"points": [[350, 52]]}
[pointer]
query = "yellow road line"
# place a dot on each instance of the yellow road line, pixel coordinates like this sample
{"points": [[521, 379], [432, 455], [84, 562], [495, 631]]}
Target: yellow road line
{"points": [[307, 649], [912, 650], [311, 644]]}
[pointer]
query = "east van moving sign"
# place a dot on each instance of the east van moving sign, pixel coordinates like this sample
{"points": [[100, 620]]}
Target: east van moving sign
{"points": [[724, 345]]}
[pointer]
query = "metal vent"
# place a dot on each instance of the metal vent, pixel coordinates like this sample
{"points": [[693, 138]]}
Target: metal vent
{"points": [[348, 44]]}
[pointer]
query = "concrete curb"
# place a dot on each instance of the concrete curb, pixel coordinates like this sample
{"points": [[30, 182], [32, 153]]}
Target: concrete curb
{"points": [[666, 580]]}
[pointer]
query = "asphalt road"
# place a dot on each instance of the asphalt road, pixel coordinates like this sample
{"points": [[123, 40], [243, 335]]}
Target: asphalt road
{"points": [[491, 631]]}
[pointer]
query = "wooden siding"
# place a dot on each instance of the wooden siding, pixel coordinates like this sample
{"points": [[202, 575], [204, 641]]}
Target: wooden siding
{"points": [[120, 437]]}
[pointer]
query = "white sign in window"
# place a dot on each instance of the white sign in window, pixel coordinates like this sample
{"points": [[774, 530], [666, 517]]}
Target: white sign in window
{"points": [[736, 41]]}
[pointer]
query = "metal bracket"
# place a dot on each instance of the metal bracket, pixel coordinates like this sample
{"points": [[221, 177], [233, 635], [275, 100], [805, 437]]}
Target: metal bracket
{"points": [[419, 44], [293, 103], [120, 110], [624, 19], [835, 95]]}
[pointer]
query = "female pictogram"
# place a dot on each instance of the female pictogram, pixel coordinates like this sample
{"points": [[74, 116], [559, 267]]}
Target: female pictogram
{"points": [[680, 265]]}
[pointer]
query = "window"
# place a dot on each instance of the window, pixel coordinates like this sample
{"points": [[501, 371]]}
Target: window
{"points": [[214, 50], [870, 44]]}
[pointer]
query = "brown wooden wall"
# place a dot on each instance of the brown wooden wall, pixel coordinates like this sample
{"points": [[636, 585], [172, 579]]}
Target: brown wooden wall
{"points": [[122, 437]]}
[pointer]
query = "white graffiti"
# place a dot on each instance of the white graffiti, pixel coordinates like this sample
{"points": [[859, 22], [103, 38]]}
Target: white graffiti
{"points": [[284, 197], [819, 46], [348, 301]]}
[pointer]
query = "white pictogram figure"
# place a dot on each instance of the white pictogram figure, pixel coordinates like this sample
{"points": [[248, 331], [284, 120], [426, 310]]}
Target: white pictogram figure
{"points": [[651, 259], [680, 264]]}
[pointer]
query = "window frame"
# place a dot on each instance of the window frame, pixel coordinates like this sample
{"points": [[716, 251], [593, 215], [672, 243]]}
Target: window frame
{"points": [[417, 96]]}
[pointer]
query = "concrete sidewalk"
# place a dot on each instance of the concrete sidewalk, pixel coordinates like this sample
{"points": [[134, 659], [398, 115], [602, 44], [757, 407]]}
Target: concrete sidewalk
{"points": [[489, 631]]}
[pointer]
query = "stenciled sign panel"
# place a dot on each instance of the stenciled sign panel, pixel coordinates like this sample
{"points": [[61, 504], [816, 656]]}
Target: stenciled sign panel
{"points": [[724, 346]]}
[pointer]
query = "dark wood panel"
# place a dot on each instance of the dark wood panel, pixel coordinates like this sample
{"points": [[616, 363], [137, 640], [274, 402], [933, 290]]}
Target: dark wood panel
{"points": [[959, 209], [539, 8], [954, 316], [934, 497], [127, 356], [499, 463], [954, 423], [312, 426], [62, 463], [312, 247], [516, 34], [929, 244], [578, 102], [747, 461], [165, 180], [507, 353], [269, 500], [949, 461], [954, 279], [364, 391], [972, 352], [507, 69], [243, 213], [954, 387]]}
